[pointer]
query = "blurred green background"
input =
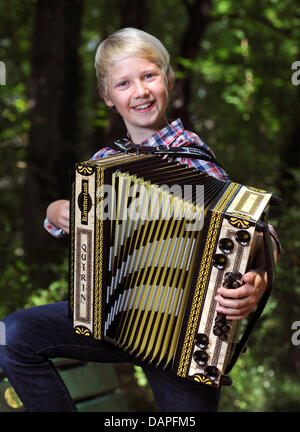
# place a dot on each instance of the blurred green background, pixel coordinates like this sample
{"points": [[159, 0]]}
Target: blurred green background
{"points": [[236, 87]]}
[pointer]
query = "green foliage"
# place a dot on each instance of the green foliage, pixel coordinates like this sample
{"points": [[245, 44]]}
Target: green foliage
{"points": [[253, 385], [57, 290], [243, 105], [140, 376]]}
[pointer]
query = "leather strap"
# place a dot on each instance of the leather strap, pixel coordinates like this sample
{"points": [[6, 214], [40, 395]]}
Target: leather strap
{"points": [[187, 151]]}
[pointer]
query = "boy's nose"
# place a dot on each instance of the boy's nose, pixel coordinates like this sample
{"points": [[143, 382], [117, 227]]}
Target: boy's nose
{"points": [[140, 89]]}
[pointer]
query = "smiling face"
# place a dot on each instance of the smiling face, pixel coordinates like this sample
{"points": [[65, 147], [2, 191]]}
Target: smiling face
{"points": [[137, 89]]}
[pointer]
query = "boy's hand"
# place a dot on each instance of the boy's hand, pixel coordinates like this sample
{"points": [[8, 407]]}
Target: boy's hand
{"points": [[239, 302], [58, 214]]}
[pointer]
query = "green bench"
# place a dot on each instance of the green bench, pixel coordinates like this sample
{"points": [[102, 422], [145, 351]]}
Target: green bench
{"points": [[93, 387]]}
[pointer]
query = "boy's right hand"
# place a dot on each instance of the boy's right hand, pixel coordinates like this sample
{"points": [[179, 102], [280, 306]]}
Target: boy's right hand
{"points": [[58, 214]]}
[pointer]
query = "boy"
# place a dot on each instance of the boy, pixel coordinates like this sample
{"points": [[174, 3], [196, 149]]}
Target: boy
{"points": [[134, 77]]}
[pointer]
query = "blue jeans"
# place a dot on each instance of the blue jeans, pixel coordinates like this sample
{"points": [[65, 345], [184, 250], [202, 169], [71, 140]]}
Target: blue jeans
{"points": [[35, 336]]}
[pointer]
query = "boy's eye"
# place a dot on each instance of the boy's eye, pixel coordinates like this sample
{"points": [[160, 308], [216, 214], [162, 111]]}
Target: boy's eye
{"points": [[122, 84], [149, 75]]}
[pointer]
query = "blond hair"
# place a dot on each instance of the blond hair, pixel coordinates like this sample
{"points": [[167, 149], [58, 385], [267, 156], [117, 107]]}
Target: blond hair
{"points": [[129, 42]]}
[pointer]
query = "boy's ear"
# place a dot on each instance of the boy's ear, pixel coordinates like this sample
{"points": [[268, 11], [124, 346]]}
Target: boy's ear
{"points": [[108, 102], [170, 86]]}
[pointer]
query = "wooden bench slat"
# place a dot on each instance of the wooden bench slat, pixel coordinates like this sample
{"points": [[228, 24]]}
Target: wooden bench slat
{"points": [[108, 403], [90, 380], [62, 362], [93, 387]]}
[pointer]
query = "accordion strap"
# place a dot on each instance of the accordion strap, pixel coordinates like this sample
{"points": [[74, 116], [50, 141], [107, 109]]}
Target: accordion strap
{"points": [[193, 152]]}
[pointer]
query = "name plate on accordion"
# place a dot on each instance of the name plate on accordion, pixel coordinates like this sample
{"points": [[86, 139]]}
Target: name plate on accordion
{"points": [[151, 243]]}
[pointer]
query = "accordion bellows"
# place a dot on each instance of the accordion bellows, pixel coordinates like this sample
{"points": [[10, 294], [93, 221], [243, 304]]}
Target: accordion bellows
{"points": [[151, 242]]}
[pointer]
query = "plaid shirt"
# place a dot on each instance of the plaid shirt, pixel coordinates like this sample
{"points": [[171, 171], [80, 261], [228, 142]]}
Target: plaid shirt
{"points": [[173, 135]]}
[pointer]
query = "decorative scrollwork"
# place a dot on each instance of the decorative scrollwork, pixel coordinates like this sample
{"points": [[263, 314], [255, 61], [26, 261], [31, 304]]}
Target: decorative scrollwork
{"points": [[202, 379], [85, 170], [256, 189], [239, 223], [84, 331]]}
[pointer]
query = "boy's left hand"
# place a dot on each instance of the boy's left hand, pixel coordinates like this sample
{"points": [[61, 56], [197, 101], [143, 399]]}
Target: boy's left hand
{"points": [[239, 302]]}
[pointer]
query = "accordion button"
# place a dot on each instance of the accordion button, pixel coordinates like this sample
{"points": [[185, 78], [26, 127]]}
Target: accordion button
{"points": [[217, 330], [219, 323], [220, 317], [212, 372], [242, 237], [226, 245], [201, 340], [238, 275], [236, 284], [200, 357], [226, 328], [220, 261], [229, 277]]}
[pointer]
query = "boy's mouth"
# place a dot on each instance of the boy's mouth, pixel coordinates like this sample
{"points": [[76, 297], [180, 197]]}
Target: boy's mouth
{"points": [[144, 106]]}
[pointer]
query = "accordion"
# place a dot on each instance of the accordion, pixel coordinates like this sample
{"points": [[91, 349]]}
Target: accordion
{"points": [[151, 242]]}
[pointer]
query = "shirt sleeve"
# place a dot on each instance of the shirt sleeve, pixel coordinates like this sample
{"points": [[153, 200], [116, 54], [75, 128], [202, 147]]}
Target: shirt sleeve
{"points": [[187, 138], [106, 151], [55, 232]]}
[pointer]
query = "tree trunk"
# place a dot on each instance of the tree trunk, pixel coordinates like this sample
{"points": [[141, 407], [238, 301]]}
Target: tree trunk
{"points": [[290, 162], [53, 100], [198, 13]]}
